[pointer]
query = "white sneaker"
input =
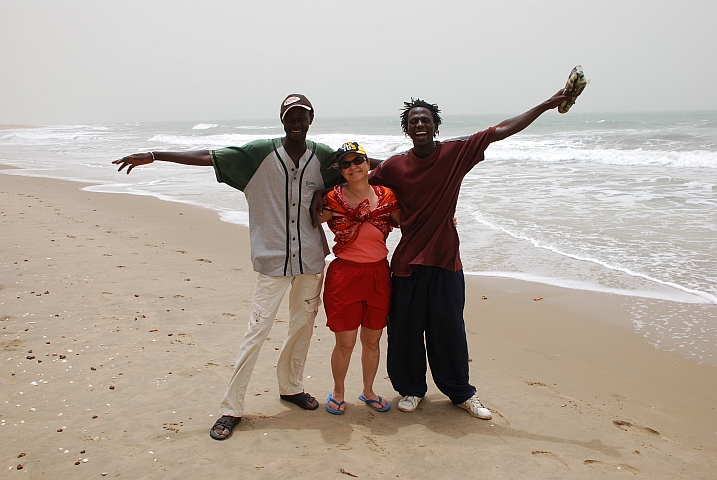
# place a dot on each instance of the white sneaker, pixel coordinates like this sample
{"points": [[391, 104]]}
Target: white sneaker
{"points": [[474, 407], [409, 403]]}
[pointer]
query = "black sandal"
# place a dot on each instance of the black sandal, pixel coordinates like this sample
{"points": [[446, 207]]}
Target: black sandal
{"points": [[227, 423], [303, 399]]}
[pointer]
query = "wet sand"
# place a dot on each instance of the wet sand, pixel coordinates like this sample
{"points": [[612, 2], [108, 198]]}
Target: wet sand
{"points": [[120, 318]]}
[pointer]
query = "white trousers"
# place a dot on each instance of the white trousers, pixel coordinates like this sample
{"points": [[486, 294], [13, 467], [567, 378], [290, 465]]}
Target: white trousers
{"points": [[304, 301]]}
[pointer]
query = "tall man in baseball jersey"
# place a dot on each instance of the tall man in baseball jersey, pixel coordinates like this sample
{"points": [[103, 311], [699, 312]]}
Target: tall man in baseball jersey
{"points": [[278, 178], [428, 285]]}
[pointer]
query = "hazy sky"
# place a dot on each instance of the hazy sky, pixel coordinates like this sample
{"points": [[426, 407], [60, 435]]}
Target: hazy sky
{"points": [[122, 61]]}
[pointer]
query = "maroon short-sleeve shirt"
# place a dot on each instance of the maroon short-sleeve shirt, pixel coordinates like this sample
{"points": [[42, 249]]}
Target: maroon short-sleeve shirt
{"points": [[427, 189]]}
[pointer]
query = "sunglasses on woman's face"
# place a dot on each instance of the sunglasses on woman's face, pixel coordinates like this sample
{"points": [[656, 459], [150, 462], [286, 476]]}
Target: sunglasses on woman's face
{"points": [[355, 161]]}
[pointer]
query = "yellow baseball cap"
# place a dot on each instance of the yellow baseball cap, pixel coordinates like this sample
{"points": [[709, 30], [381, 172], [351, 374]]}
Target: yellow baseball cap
{"points": [[349, 147]]}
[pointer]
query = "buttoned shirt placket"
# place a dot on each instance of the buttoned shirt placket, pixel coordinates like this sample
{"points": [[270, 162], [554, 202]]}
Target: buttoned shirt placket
{"points": [[294, 264]]}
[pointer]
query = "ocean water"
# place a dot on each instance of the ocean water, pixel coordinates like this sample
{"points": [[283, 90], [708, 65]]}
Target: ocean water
{"points": [[620, 203]]}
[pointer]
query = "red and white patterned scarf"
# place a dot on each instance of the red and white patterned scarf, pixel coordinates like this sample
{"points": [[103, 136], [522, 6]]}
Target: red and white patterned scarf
{"points": [[348, 221]]}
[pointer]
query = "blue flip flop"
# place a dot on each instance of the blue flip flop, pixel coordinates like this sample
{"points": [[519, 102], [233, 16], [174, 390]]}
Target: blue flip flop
{"points": [[373, 403], [336, 410]]}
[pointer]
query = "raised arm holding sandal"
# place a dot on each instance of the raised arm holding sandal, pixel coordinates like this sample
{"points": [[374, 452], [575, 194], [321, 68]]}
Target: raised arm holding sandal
{"points": [[509, 127]]}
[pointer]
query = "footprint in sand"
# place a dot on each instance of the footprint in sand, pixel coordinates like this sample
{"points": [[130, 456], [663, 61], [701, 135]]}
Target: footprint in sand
{"points": [[545, 355], [541, 384], [555, 391], [212, 364], [606, 467], [372, 444], [550, 458], [623, 425], [498, 417], [10, 345], [184, 339]]}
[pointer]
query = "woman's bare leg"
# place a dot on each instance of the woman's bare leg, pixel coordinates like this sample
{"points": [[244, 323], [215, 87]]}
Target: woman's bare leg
{"points": [[370, 354], [340, 360]]}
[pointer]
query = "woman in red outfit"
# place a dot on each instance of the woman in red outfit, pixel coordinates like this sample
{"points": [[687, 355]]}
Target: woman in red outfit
{"points": [[357, 292]]}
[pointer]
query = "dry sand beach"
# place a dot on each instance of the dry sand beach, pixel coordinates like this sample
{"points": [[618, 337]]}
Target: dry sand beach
{"points": [[121, 316]]}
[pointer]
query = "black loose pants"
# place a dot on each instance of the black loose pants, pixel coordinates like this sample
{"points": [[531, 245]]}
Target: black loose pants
{"points": [[430, 302]]}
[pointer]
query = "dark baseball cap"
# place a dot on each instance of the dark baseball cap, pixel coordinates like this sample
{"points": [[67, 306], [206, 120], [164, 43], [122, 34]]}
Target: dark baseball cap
{"points": [[295, 100], [349, 147]]}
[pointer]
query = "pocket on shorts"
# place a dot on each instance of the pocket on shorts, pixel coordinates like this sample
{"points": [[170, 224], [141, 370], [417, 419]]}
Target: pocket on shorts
{"points": [[312, 304], [259, 314]]}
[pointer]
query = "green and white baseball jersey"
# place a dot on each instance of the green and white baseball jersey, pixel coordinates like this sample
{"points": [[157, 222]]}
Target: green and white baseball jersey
{"points": [[279, 194]]}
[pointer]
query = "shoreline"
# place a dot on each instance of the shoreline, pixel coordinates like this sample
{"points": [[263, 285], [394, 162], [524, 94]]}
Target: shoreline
{"points": [[682, 295], [679, 294], [673, 333], [151, 297]]}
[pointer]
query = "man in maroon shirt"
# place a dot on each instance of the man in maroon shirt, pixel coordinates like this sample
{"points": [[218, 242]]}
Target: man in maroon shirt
{"points": [[428, 285]]}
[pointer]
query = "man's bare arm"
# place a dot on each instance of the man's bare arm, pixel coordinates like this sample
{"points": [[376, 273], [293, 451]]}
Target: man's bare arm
{"points": [[317, 206], [200, 158], [373, 163], [509, 127]]}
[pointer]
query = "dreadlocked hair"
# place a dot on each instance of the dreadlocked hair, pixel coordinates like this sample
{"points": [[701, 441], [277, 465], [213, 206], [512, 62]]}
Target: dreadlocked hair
{"points": [[407, 106]]}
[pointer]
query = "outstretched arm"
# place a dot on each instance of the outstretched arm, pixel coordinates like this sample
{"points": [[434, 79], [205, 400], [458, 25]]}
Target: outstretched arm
{"points": [[509, 127], [198, 157]]}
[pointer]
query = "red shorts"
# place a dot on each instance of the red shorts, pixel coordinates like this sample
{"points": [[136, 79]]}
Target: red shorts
{"points": [[357, 294]]}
